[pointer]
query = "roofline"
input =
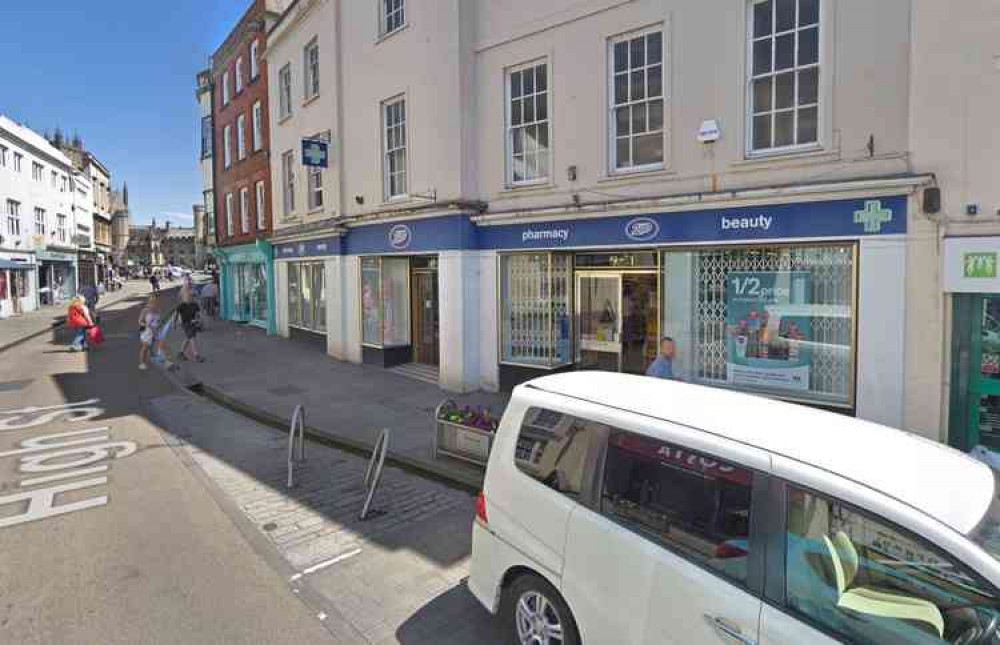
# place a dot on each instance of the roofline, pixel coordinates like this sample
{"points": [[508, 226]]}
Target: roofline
{"points": [[94, 160], [36, 150], [222, 55]]}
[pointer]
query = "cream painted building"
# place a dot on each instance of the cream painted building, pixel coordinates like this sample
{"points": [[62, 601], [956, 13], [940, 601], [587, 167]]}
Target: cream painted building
{"points": [[523, 187]]}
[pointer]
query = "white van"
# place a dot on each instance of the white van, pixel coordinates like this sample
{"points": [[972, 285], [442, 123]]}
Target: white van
{"points": [[622, 509]]}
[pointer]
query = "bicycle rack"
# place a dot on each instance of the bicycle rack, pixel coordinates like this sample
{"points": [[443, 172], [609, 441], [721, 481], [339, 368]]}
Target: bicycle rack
{"points": [[298, 423], [373, 475]]}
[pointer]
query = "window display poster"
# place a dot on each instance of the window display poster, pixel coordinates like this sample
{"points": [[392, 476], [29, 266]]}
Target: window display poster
{"points": [[768, 325]]}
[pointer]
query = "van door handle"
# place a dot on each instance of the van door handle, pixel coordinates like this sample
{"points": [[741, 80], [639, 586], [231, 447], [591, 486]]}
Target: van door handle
{"points": [[728, 631]]}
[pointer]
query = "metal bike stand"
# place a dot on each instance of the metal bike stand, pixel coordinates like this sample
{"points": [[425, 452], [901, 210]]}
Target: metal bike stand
{"points": [[373, 475], [298, 423]]}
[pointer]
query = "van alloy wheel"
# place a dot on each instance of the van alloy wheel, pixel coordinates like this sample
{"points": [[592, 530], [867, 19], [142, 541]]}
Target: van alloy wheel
{"points": [[537, 619]]}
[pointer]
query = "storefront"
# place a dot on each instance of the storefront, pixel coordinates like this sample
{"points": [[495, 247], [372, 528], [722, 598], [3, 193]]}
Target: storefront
{"points": [[763, 299], [89, 269], [57, 276], [972, 281], [246, 276], [18, 292], [301, 274]]}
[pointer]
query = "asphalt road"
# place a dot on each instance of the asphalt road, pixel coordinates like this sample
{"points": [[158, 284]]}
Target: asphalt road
{"points": [[105, 535]]}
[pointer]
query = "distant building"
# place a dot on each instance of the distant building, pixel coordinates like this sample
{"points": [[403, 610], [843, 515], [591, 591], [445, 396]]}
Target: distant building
{"points": [[178, 246], [145, 246], [92, 210], [204, 220], [121, 224], [204, 237]]}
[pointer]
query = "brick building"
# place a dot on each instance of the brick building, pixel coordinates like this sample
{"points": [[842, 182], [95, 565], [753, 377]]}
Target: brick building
{"points": [[242, 180]]}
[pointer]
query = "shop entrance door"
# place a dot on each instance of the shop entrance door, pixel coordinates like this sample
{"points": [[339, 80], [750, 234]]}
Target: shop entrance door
{"points": [[426, 319], [599, 321], [984, 376]]}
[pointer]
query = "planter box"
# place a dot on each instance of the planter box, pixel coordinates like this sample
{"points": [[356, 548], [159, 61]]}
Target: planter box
{"points": [[461, 442]]}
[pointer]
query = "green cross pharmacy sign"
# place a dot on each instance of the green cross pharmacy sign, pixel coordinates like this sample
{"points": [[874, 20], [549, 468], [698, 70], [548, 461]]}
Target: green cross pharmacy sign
{"points": [[979, 265], [873, 216]]}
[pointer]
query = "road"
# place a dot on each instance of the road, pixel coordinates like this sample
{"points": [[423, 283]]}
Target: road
{"points": [[132, 511]]}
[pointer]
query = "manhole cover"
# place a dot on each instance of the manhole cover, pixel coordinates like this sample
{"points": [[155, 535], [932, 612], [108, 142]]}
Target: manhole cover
{"points": [[270, 526], [14, 386]]}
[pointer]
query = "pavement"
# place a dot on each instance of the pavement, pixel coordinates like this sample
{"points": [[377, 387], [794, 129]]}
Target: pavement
{"points": [[18, 329], [266, 377]]}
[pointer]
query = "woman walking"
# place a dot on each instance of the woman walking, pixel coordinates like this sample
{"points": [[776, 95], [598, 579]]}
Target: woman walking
{"points": [[190, 314], [153, 330], [78, 318]]}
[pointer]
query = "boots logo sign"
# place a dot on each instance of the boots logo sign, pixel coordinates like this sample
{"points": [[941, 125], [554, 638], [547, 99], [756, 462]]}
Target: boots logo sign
{"points": [[400, 237], [642, 229]]}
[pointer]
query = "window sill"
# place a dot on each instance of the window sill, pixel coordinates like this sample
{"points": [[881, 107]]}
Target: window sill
{"points": [[313, 211], [786, 157], [384, 37], [283, 119], [515, 191], [311, 99], [636, 175]]}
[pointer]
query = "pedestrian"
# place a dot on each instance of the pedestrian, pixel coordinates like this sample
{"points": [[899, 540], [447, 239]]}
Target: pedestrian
{"points": [[190, 316], [78, 319], [209, 292], [153, 329], [91, 296], [154, 282]]}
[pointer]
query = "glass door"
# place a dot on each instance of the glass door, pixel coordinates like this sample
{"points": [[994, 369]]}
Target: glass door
{"points": [[640, 321], [984, 381], [599, 321], [426, 321]]}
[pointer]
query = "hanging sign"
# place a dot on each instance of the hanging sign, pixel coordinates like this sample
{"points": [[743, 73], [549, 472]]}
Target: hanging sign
{"points": [[315, 153]]}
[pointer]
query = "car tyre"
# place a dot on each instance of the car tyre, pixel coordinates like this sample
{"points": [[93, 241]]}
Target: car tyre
{"points": [[536, 614]]}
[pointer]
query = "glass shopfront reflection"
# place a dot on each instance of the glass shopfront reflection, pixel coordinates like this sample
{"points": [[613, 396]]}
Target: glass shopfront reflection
{"points": [[250, 296]]}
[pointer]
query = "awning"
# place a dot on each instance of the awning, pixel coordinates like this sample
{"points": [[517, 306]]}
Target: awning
{"points": [[7, 264]]}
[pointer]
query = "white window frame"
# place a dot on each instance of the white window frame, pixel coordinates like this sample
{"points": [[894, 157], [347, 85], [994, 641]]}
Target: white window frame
{"points": [[244, 210], [258, 125], [225, 87], [239, 74], [61, 221], [3, 156], [241, 136], [55, 179], [40, 221], [511, 129], [388, 152], [310, 75], [314, 188], [795, 69], [229, 214], [285, 92], [288, 182], [18, 158], [227, 146], [261, 204], [254, 59], [13, 218], [645, 101], [391, 19], [37, 171]]}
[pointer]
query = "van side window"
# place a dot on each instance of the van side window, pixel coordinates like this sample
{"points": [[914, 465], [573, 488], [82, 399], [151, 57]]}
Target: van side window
{"points": [[558, 449], [693, 504], [866, 581]]}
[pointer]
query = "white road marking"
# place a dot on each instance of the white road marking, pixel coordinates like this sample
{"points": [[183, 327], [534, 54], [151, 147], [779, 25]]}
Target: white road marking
{"points": [[24, 417], [39, 444], [35, 481], [327, 563], [42, 502]]}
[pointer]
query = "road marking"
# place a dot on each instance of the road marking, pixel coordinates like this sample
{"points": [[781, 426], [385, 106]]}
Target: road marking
{"points": [[53, 478], [323, 565], [24, 417], [38, 444], [42, 502]]}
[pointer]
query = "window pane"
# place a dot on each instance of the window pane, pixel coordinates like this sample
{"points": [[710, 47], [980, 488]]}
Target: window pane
{"points": [[639, 118], [762, 12], [622, 120], [808, 12], [370, 295], [654, 48], [621, 56], [518, 168], [638, 52], [294, 314], [809, 46], [543, 137], [808, 86], [517, 143], [808, 122], [649, 149], [785, 10], [762, 57], [541, 107], [693, 504], [654, 81], [870, 582], [621, 89], [319, 289], [543, 165], [529, 81], [396, 300], [784, 52], [558, 450], [762, 94], [541, 81], [784, 94], [638, 85], [623, 153], [530, 166], [516, 117], [529, 109], [656, 115], [762, 132], [515, 84], [784, 128]]}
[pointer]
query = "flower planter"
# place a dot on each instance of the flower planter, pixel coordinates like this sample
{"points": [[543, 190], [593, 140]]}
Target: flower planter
{"points": [[459, 441]]}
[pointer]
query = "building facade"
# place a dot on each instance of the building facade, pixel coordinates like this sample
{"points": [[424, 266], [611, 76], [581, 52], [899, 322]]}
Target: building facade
{"points": [[204, 237], [145, 249], [242, 177], [121, 225], [38, 256], [205, 224], [178, 246], [88, 263]]}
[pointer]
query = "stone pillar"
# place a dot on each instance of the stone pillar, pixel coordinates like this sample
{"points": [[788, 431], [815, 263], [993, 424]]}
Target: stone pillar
{"points": [[281, 298], [350, 292], [488, 300], [460, 302]]}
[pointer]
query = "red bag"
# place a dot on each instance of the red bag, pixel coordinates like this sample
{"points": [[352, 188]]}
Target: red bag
{"points": [[95, 336]]}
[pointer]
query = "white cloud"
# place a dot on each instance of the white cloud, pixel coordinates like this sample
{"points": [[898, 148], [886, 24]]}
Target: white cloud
{"points": [[187, 217]]}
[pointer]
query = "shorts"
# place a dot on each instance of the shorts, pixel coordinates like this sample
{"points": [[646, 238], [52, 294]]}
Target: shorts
{"points": [[190, 330], [146, 336]]}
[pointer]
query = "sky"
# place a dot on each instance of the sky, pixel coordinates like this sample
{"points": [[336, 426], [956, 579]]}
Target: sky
{"points": [[121, 73]]}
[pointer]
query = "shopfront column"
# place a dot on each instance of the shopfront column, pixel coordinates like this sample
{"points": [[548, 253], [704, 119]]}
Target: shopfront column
{"points": [[460, 298], [281, 298], [489, 367], [350, 284]]}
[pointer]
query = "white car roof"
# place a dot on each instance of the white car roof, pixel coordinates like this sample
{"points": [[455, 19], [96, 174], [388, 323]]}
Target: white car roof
{"points": [[931, 477]]}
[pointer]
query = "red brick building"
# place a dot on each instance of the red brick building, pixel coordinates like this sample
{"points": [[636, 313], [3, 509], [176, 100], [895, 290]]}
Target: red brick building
{"points": [[242, 177]]}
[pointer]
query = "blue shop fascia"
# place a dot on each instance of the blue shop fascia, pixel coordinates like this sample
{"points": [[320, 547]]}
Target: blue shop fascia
{"points": [[763, 298], [246, 279]]}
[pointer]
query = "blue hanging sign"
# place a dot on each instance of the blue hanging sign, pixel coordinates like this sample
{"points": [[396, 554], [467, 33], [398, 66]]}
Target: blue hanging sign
{"points": [[315, 153]]}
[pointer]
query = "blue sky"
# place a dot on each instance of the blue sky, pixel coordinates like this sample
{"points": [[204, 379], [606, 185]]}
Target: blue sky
{"points": [[122, 74]]}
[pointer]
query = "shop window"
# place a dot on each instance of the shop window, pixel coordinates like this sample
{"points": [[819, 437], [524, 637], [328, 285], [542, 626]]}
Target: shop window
{"points": [[385, 301], [865, 581], [776, 320], [559, 450], [535, 316], [307, 296], [692, 504]]}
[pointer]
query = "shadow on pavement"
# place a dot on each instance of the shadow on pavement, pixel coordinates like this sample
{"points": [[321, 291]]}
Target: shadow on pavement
{"points": [[446, 620]]}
